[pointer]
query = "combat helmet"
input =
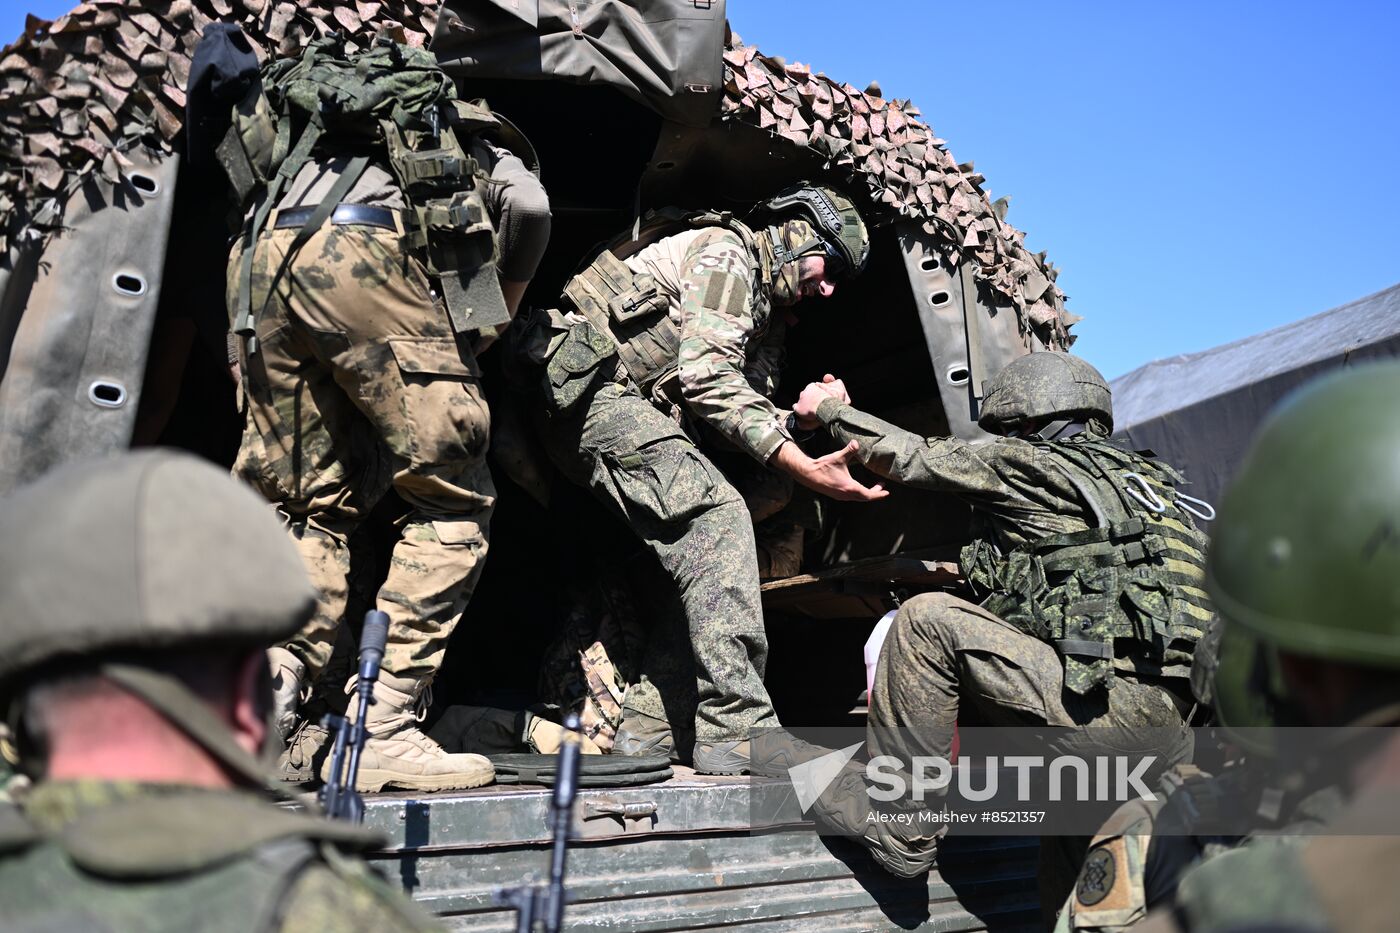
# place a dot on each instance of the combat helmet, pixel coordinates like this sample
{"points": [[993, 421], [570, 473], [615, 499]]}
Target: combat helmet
{"points": [[842, 235], [1234, 676], [107, 562], [1045, 384], [1306, 550]]}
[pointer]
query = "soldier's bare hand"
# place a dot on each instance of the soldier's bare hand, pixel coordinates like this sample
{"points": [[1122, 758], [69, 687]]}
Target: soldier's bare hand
{"points": [[835, 388], [805, 409], [817, 392], [829, 475]]}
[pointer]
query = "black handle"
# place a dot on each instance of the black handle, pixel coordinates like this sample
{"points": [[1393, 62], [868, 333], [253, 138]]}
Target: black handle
{"points": [[372, 642]]}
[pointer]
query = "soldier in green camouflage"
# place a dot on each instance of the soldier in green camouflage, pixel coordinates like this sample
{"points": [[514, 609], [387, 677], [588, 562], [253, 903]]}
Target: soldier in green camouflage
{"points": [[1089, 570], [360, 383], [137, 596], [1138, 858], [1304, 564], [659, 336]]}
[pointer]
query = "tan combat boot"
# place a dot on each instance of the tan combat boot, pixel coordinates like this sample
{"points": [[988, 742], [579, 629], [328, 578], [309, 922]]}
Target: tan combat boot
{"points": [[397, 753], [288, 683]]}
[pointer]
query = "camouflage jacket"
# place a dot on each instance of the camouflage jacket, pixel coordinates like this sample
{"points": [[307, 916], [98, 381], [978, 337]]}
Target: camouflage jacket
{"points": [[1139, 857], [1076, 542], [1017, 493], [1341, 879], [692, 322], [160, 857], [730, 353]]}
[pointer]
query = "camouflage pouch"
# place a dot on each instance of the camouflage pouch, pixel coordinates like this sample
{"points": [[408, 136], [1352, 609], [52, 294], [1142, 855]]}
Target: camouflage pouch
{"points": [[460, 248], [1090, 622], [602, 707], [578, 365], [247, 151]]}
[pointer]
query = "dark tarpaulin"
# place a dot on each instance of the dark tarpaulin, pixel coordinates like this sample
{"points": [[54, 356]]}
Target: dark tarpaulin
{"points": [[1199, 411], [667, 54]]}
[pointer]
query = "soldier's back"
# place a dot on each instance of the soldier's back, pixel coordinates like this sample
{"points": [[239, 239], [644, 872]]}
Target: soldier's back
{"points": [[119, 857], [1342, 880]]}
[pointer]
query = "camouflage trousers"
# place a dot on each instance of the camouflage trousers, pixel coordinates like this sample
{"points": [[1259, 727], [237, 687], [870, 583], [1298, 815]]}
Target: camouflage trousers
{"points": [[946, 659], [358, 384], [641, 465]]}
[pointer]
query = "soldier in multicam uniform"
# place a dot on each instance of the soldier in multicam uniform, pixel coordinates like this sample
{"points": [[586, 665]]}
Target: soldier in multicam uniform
{"points": [[1305, 566], [1090, 570], [687, 330], [134, 652], [362, 380]]}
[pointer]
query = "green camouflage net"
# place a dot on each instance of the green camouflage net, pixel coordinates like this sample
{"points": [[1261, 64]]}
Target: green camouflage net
{"points": [[78, 93], [902, 168]]}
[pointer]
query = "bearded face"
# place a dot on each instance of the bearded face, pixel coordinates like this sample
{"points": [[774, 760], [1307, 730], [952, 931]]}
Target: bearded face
{"points": [[805, 277]]}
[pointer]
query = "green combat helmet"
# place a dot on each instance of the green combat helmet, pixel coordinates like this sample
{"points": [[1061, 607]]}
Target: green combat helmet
{"points": [[1306, 551], [103, 561], [1233, 675], [1046, 384], [843, 236]]}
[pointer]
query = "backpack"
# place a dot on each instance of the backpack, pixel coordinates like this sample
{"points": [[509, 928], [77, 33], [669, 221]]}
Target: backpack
{"points": [[391, 101]]}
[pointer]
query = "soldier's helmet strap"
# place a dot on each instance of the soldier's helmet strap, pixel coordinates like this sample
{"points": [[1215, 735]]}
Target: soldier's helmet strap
{"points": [[782, 255], [191, 716]]}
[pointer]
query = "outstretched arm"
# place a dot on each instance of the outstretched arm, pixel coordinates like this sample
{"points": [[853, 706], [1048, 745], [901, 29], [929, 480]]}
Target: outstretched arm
{"points": [[945, 464], [829, 475]]}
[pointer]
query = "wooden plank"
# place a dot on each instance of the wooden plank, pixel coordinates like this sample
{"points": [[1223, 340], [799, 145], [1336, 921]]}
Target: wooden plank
{"points": [[857, 589]]}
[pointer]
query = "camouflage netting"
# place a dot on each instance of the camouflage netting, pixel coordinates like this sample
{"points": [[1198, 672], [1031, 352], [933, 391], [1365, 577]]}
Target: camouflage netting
{"points": [[904, 168], [78, 93]]}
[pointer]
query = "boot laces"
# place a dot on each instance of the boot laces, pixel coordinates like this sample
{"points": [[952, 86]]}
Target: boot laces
{"points": [[423, 704]]}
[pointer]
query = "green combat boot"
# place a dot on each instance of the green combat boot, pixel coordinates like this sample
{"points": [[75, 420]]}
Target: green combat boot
{"points": [[722, 757], [397, 753], [641, 735]]}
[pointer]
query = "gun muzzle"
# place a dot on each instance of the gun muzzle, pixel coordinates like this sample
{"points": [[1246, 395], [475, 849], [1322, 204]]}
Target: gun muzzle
{"points": [[372, 642]]}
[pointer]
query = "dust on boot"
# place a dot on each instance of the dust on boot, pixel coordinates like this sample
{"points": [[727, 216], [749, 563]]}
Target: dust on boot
{"points": [[399, 754]]}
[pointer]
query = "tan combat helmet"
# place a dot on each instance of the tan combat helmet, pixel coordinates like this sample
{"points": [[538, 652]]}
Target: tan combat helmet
{"points": [[102, 560], [841, 233], [1047, 384]]}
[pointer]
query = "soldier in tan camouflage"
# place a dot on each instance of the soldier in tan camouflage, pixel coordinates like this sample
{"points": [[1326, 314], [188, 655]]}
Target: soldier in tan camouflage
{"points": [[683, 331], [360, 383]]}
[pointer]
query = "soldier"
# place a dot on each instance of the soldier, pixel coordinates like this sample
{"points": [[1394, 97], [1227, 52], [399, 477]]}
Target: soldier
{"points": [[1079, 548], [686, 330], [360, 375], [1306, 559], [137, 596], [1138, 858]]}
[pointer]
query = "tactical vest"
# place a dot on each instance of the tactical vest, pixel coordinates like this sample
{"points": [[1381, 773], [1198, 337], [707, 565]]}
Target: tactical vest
{"points": [[630, 308], [173, 862], [392, 103], [1128, 588]]}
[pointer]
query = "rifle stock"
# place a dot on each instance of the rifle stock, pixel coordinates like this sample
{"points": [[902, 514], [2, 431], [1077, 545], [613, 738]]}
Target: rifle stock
{"points": [[540, 907]]}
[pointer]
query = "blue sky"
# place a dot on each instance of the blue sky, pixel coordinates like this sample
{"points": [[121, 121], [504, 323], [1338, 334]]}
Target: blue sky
{"points": [[1198, 171]]}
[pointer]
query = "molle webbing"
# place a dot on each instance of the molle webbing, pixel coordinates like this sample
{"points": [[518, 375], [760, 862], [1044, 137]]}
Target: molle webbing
{"points": [[1135, 576], [391, 101], [629, 307]]}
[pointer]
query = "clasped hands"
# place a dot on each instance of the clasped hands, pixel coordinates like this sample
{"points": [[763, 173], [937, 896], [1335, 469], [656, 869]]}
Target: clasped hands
{"points": [[830, 474], [817, 392]]}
